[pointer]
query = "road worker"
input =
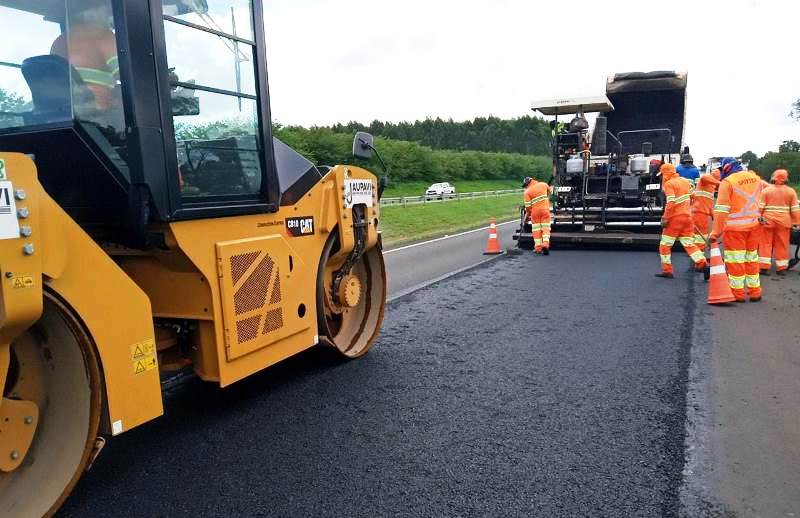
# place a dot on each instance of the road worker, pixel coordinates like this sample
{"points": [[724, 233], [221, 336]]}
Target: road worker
{"points": [[688, 170], [736, 218], [703, 207], [537, 205], [779, 210], [91, 47], [677, 221]]}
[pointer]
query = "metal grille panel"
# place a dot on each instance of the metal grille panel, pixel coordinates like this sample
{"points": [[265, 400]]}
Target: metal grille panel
{"points": [[247, 329], [276, 290], [274, 321], [252, 295], [240, 264]]}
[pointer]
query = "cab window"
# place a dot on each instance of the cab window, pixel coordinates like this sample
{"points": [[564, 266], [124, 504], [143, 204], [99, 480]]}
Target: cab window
{"points": [[59, 63], [214, 96]]}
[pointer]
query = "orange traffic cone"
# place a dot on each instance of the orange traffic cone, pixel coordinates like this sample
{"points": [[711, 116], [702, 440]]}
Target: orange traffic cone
{"points": [[719, 291], [493, 246]]}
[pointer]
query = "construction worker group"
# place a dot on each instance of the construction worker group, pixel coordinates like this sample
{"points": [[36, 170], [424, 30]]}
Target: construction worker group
{"points": [[752, 219]]}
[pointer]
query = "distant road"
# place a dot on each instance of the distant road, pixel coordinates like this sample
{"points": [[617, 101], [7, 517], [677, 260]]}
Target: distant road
{"points": [[415, 265]]}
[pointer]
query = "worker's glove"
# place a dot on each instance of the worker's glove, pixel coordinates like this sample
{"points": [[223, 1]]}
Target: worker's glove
{"points": [[713, 239], [763, 221], [664, 223]]}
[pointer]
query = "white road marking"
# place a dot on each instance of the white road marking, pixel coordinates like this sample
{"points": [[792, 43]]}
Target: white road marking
{"points": [[445, 237]]}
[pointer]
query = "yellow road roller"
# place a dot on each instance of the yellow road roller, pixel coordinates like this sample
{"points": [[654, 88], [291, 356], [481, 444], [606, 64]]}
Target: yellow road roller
{"points": [[151, 224]]}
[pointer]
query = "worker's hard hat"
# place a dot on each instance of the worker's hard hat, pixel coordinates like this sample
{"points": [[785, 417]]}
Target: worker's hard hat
{"points": [[527, 181], [687, 159], [729, 166], [780, 177]]}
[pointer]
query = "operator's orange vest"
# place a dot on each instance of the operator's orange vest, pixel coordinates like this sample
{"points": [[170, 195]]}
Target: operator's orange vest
{"points": [[93, 53]]}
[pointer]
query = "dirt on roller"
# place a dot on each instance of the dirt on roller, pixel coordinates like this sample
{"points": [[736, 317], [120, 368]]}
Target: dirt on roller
{"points": [[546, 386]]}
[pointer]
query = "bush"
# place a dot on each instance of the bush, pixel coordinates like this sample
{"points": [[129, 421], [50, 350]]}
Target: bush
{"points": [[409, 161]]}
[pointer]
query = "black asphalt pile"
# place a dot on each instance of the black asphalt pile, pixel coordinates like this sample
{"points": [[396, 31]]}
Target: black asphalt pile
{"points": [[530, 386]]}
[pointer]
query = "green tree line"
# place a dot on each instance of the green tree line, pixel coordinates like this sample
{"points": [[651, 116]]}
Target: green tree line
{"points": [[411, 161], [787, 157], [525, 135]]}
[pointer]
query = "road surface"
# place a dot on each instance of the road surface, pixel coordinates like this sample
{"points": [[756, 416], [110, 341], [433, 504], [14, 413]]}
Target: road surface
{"points": [[528, 386], [493, 391], [411, 266]]}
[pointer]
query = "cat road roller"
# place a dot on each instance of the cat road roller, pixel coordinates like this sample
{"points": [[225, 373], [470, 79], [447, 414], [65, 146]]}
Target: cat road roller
{"points": [[150, 224]]}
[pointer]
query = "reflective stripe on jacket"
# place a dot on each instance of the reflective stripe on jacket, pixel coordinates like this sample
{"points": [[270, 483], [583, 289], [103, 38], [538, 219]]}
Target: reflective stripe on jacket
{"points": [[537, 197], [679, 192], [738, 203], [703, 196], [779, 205]]}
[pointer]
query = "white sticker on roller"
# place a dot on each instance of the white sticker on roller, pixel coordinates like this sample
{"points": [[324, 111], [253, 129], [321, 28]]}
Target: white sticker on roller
{"points": [[116, 427], [357, 192], [9, 225], [654, 187], [565, 189]]}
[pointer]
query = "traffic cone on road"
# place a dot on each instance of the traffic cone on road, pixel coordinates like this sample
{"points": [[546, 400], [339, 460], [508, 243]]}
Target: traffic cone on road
{"points": [[719, 291], [493, 246]]}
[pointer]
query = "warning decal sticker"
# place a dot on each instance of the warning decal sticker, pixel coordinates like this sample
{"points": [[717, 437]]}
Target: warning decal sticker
{"points": [[143, 355], [3, 169], [9, 225]]}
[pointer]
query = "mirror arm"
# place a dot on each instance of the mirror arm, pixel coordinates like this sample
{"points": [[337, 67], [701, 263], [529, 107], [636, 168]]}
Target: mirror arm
{"points": [[384, 181]]}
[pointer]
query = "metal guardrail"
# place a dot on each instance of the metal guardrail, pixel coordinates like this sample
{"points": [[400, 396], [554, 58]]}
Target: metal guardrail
{"points": [[419, 200]]}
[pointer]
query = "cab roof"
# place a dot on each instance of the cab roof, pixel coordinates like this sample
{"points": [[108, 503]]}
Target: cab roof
{"points": [[596, 104]]}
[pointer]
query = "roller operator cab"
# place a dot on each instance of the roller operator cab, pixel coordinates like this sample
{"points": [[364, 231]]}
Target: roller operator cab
{"points": [[150, 223], [606, 187]]}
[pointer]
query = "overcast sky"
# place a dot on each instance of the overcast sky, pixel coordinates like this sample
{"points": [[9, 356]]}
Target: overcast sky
{"points": [[340, 60]]}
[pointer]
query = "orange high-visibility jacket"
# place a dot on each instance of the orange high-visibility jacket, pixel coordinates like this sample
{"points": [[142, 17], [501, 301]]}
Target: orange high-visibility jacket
{"points": [[93, 53], [738, 203], [779, 205], [679, 194], [537, 197], [703, 196]]}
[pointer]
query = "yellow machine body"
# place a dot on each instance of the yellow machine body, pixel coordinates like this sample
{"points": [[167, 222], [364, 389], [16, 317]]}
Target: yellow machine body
{"points": [[245, 286]]}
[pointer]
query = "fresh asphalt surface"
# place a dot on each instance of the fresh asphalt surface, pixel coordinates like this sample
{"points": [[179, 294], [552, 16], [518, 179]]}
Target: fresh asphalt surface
{"points": [[528, 386]]}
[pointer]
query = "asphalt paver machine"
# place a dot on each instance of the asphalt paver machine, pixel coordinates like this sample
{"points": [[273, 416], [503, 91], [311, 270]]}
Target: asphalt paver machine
{"points": [[150, 223], [605, 185]]}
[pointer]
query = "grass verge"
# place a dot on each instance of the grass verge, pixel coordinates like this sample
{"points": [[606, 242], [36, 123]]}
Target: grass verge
{"points": [[418, 188], [419, 222]]}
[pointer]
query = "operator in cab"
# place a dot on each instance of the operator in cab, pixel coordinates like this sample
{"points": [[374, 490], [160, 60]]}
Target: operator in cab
{"points": [[736, 218], [677, 222], [779, 211], [537, 206], [90, 46], [703, 207]]}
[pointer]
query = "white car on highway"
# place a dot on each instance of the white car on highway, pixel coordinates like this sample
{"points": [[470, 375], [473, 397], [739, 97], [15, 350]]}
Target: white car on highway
{"points": [[440, 191]]}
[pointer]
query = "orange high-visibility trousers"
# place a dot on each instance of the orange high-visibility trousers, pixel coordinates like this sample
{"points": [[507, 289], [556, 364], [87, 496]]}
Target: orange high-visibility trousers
{"points": [[741, 262], [679, 228], [540, 221], [702, 229], [774, 243]]}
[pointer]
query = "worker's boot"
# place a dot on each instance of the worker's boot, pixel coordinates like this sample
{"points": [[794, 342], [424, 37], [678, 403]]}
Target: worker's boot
{"points": [[781, 273], [755, 299], [545, 251], [665, 275], [766, 273]]}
